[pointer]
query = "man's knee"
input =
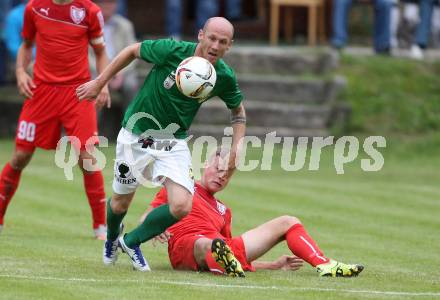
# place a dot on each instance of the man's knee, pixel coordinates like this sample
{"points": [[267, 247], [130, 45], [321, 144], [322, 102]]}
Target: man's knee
{"points": [[179, 199], [179, 208], [289, 221], [119, 204], [201, 247], [20, 159]]}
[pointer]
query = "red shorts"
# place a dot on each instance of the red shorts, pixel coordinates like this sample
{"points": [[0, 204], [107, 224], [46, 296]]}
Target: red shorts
{"points": [[51, 108], [181, 252]]}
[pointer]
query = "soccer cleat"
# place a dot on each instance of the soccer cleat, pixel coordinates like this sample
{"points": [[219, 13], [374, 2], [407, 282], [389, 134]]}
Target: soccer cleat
{"points": [[135, 254], [226, 259], [110, 251], [101, 232], [338, 269]]}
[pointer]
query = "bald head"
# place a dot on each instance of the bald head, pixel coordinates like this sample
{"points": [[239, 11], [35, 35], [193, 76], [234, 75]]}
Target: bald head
{"points": [[214, 39], [219, 24]]}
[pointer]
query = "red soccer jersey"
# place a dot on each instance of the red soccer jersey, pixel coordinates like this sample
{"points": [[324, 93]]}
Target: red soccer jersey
{"points": [[62, 34], [208, 216]]}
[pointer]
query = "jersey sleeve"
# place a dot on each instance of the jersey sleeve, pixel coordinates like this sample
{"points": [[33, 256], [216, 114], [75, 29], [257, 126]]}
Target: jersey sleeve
{"points": [[157, 51], [226, 230], [232, 95], [160, 198], [29, 29], [96, 27]]}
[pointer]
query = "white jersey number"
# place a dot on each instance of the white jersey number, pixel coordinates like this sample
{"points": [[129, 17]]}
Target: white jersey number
{"points": [[26, 131]]}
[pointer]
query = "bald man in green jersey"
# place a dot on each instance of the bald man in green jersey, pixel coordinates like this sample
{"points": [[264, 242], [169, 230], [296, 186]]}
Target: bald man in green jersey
{"points": [[152, 141]]}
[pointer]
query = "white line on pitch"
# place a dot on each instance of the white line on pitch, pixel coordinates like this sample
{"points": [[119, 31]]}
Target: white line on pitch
{"points": [[232, 286]]}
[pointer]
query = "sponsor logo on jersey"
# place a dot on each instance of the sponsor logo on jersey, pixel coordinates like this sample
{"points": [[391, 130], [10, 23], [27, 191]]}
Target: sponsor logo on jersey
{"points": [[45, 11], [123, 173], [77, 14], [221, 208], [150, 142], [170, 80]]}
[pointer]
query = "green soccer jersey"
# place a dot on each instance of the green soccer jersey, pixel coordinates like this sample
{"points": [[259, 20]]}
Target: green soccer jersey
{"points": [[159, 96]]}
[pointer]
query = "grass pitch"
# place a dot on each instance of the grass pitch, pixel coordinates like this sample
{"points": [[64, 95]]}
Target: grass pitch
{"points": [[387, 220]]}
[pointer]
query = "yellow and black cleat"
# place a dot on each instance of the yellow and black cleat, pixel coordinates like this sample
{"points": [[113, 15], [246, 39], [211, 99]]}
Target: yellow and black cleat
{"points": [[226, 259], [338, 269]]}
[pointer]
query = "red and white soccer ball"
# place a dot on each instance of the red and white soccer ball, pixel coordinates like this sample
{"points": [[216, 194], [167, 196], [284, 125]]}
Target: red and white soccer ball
{"points": [[195, 77]]}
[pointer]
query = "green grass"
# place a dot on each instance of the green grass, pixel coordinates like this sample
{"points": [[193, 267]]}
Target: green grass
{"points": [[388, 220], [391, 95]]}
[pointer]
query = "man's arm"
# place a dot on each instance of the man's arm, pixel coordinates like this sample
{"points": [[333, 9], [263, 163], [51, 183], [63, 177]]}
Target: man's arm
{"points": [[238, 122], [284, 262], [102, 62], [25, 83], [91, 89]]}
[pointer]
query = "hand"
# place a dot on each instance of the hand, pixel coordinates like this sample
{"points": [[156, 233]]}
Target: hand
{"points": [[161, 238], [25, 83], [288, 263], [89, 90], [103, 98]]}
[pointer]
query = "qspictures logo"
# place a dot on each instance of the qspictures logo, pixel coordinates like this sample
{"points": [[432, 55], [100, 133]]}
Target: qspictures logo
{"points": [[297, 153]]}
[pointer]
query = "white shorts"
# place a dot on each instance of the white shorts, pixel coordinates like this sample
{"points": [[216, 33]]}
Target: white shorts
{"points": [[149, 165]]}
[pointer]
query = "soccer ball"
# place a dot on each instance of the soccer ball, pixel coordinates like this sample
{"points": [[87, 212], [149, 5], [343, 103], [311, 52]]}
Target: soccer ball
{"points": [[195, 77]]}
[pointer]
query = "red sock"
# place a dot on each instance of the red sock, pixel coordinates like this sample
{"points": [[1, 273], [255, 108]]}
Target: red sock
{"points": [[94, 186], [9, 180], [303, 246], [213, 266]]}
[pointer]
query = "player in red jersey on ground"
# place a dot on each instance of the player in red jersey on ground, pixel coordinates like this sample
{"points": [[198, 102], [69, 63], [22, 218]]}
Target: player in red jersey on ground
{"points": [[62, 31], [203, 241]]}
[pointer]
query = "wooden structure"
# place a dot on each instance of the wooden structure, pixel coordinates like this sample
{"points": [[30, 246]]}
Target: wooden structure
{"points": [[316, 19]]}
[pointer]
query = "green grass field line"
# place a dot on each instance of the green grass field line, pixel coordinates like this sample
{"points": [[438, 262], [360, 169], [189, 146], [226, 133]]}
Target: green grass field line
{"points": [[387, 220], [165, 283]]}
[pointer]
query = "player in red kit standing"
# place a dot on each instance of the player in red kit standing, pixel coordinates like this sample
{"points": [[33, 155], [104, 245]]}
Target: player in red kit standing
{"points": [[62, 31]]}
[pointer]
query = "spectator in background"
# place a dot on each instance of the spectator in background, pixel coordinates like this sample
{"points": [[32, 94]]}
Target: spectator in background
{"points": [[423, 32], [3, 58], [382, 31], [13, 28], [118, 33], [122, 8], [205, 9], [173, 18], [5, 6]]}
